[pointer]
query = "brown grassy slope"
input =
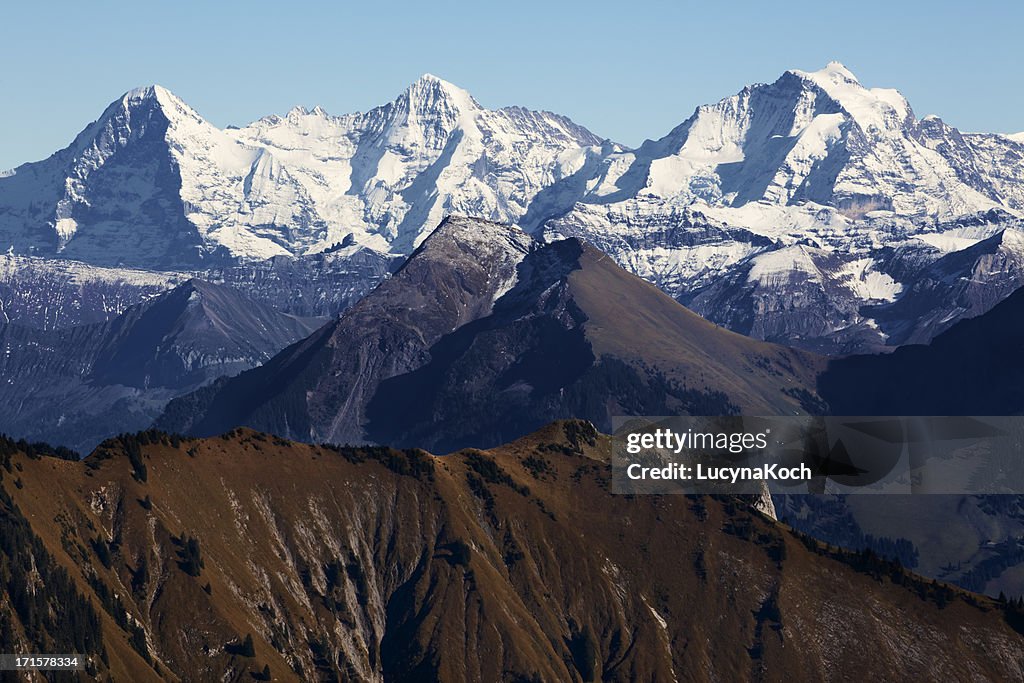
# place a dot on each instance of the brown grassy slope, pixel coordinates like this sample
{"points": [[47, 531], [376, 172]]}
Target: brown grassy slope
{"points": [[629, 318], [510, 564]]}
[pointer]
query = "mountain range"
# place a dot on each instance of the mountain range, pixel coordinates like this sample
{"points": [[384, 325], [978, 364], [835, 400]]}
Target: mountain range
{"points": [[253, 558], [169, 189], [811, 211]]}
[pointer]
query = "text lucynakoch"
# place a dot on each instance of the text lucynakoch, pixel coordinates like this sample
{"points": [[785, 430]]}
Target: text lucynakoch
{"points": [[701, 472]]}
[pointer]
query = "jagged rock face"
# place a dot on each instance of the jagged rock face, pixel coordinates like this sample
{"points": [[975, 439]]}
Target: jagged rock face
{"points": [[192, 334], [484, 335], [832, 303], [80, 385], [800, 295], [957, 286], [58, 294], [892, 287], [512, 564], [55, 293], [318, 285], [110, 198]]}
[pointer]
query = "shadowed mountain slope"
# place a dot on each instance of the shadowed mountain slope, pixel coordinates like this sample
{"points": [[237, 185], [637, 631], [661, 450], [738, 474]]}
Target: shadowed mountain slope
{"points": [[971, 369], [79, 385], [484, 335]]}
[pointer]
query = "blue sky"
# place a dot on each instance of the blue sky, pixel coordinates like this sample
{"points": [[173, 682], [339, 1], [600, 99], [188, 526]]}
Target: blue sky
{"points": [[627, 70]]}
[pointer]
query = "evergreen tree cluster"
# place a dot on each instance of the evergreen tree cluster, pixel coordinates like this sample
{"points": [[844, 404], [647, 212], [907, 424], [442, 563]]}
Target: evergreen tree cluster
{"points": [[38, 594], [113, 606], [35, 451], [409, 462], [869, 562], [132, 445], [244, 648], [492, 473], [190, 556]]}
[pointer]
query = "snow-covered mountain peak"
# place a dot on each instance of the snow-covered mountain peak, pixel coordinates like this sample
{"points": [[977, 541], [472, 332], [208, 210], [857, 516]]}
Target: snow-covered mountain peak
{"points": [[154, 91], [879, 108], [300, 111], [432, 100], [158, 97], [297, 114], [145, 92], [834, 72], [304, 181], [155, 94], [128, 114], [430, 85], [812, 179], [814, 137]]}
